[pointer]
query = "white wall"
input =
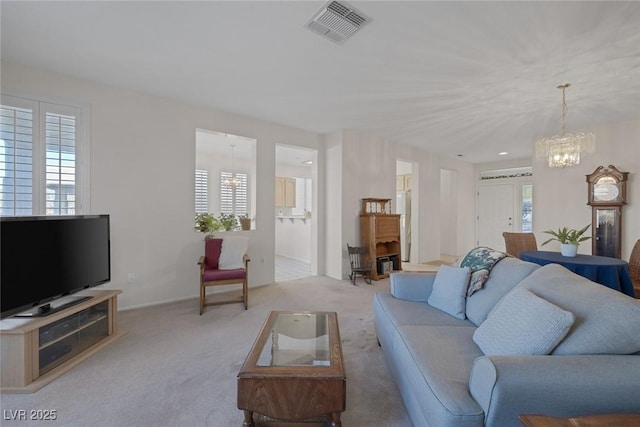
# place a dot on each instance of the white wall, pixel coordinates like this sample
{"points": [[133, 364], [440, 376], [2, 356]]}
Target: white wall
{"points": [[142, 173], [332, 213], [293, 238], [448, 212], [560, 195]]}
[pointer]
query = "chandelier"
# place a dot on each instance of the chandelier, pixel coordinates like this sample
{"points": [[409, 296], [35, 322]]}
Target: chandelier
{"points": [[232, 181], [565, 149]]}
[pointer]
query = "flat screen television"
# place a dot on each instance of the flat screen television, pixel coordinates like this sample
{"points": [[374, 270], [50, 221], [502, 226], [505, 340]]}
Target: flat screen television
{"points": [[44, 258]]}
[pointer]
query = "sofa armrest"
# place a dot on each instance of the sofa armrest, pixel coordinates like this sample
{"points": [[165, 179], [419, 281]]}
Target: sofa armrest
{"points": [[563, 386], [412, 286]]}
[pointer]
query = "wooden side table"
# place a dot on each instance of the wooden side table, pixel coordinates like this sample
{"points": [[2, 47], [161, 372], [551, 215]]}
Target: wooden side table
{"points": [[606, 420]]}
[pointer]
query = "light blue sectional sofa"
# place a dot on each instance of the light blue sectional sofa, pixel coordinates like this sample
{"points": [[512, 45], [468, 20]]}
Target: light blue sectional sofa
{"points": [[445, 379]]}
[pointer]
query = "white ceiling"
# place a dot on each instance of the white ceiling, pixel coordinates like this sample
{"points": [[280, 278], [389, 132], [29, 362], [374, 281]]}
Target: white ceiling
{"points": [[471, 78]]}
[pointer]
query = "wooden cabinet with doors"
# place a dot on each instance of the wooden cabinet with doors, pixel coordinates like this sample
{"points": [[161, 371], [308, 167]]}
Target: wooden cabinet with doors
{"points": [[380, 233], [285, 192]]}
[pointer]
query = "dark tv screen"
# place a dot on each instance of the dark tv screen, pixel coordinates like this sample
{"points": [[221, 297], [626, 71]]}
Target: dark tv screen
{"points": [[42, 258]]}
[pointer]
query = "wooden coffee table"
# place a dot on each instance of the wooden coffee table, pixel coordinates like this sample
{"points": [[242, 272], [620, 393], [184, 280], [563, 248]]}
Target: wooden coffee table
{"points": [[294, 371]]}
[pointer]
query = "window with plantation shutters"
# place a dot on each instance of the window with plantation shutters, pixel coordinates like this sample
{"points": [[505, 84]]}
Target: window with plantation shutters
{"points": [[40, 148], [233, 193], [202, 191], [60, 133], [16, 165]]}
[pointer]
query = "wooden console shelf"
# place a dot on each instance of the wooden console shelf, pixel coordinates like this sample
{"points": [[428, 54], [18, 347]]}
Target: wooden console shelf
{"points": [[380, 233], [37, 350]]}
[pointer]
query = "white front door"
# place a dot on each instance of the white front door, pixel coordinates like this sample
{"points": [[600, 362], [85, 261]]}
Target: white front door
{"points": [[495, 214]]}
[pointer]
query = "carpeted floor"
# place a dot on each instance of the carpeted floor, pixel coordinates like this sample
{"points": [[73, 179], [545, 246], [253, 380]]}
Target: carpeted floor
{"points": [[176, 368]]}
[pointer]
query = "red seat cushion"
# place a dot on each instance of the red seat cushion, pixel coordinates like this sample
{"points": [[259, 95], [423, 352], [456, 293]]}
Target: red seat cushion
{"points": [[214, 274]]}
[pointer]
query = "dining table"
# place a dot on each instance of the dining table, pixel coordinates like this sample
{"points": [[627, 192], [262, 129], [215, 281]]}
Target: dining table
{"points": [[610, 272]]}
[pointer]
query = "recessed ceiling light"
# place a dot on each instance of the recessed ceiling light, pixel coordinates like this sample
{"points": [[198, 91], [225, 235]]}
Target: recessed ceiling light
{"points": [[502, 153], [308, 162]]}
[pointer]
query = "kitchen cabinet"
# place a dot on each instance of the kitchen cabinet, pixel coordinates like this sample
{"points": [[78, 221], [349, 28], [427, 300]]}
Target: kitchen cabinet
{"points": [[285, 192]]}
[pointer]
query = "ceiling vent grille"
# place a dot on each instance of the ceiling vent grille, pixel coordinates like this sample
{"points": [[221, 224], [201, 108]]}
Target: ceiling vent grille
{"points": [[336, 21]]}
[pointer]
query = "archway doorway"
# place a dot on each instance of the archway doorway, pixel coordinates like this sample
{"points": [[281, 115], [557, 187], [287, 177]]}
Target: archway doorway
{"points": [[295, 229]]}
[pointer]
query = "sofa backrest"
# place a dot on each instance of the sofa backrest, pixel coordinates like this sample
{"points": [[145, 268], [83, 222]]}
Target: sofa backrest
{"points": [[504, 276]]}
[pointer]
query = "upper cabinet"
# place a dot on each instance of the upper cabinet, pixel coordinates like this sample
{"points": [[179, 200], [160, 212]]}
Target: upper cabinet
{"points": [[285, 192]]}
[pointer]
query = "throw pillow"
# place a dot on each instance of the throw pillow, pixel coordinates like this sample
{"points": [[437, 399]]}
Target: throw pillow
{"points": [[233, 249], [523, 324], [607, 321], [480, 260], [449, 290]]}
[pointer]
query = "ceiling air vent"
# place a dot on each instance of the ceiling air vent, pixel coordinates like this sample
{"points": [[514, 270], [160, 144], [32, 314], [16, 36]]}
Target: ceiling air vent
{"points": [[336, 21]]}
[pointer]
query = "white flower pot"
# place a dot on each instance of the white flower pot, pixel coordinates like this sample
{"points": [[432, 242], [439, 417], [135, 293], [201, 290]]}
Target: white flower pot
{"points": [[568, 249]]}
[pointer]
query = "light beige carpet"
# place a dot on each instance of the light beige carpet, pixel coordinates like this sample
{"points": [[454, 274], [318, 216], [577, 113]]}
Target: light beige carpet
{"points": [[176, 368]]}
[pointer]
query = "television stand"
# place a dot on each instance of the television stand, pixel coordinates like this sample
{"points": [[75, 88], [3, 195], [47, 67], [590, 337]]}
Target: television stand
{"points": [[36, 350], [54, 306]]}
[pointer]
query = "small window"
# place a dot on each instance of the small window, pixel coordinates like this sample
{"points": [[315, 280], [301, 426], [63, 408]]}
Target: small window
{"points": [[527, 208]]}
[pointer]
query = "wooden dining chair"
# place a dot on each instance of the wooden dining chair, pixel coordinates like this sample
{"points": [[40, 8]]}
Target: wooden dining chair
{"points": [[360, 263], [519, 242], [634, 268]]}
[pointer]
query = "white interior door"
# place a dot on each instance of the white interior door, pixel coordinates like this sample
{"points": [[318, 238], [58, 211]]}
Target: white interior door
{"points": [[495, 206]]}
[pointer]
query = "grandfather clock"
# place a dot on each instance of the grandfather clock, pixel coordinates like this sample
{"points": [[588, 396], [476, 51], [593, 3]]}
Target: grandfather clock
{"points": [[607, 195]]}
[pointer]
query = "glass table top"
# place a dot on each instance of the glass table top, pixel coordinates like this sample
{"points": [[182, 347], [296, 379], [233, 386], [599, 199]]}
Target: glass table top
{"points": [[297, 339]]}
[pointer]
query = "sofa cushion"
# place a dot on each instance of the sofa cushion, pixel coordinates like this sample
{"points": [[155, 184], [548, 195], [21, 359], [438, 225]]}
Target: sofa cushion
{"points": [[437, 363], [450, 289], [504, 276], [523, 324], [399, 312], [606, 321]]}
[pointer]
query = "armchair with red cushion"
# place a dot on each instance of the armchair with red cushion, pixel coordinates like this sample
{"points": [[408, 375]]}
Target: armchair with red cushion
{"points": [[225, 262]]}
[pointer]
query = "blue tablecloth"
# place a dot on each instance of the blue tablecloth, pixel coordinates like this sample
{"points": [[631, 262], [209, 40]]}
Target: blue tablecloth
{"points": [[611, 272]]}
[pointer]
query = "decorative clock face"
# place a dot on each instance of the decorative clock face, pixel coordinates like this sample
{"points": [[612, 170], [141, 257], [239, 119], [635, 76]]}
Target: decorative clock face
{"points": [[607, 187], [605, 191]]}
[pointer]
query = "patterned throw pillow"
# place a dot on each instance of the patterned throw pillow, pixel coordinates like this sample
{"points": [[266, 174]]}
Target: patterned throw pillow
{"points": [[480, 260]]}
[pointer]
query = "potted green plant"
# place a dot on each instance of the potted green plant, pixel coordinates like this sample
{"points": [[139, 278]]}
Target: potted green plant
{"points": [[206, 223], [569, 239], [245, 222], [228, 221]]}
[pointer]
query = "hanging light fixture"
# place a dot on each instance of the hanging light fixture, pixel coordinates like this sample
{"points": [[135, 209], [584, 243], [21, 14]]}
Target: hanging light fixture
{"points": [[565, 149], [232, 181]]}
